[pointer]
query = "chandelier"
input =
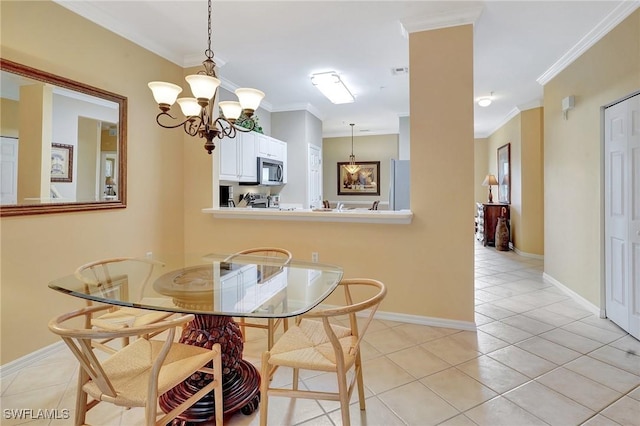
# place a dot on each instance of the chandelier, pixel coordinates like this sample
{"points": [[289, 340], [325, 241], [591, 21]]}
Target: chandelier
{"points": [[198, 110], [352, 167]]}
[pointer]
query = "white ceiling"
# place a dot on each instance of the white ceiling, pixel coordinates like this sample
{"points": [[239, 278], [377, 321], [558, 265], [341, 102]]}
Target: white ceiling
{"points": [[275, 46]]}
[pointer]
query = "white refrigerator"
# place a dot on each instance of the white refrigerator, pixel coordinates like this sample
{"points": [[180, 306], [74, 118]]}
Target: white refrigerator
{"points": [[399, 185]]}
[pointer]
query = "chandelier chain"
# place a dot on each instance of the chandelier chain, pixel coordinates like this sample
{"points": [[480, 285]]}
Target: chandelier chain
{"points": [[209, 53]]}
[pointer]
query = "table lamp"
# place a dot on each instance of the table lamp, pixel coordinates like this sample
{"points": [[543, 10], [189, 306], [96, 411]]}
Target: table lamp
{"points": [[490, 180]]}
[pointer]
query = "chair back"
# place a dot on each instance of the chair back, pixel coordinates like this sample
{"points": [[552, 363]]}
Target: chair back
{"points": [[114, 276], [79, 342], [278, 257], [351, 308]]}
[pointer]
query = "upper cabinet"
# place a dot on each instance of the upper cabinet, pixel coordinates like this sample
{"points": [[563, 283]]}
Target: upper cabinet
{"points": [[238, 158], [271, 148]]}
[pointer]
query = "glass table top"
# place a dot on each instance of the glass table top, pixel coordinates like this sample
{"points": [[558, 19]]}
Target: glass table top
{"points": [[214, 284]]}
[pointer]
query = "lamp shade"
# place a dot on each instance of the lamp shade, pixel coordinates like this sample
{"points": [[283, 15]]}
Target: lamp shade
{"points": [[164, 93], [202, 86], [109, 181], [230, 109], [189, 107], [490, 180], [249, 98]]}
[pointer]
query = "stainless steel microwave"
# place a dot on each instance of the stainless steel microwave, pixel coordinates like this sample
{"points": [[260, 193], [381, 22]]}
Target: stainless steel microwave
{"points": [[270, 172]]}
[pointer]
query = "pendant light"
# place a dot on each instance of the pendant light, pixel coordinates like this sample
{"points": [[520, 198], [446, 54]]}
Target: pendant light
{"points": [[352, 167]]}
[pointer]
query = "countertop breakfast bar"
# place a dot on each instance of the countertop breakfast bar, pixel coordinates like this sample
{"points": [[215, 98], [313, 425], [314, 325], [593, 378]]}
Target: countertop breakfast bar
{"points": [[390, 217]]}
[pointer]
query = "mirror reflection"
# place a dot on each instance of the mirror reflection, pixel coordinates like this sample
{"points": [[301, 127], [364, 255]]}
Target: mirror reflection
{"points": [[61, 144]]}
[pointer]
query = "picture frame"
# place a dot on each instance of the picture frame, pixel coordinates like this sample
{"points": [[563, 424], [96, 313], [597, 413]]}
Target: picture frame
{"points": [[366, 181], [504, 174], [61, 162]]}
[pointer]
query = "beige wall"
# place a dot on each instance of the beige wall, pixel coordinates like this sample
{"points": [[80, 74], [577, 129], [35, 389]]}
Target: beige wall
{"points": [[524, 133], [9, 118], [380, 148], [428, 265], [531, 238], [510, 133], [36, 249], [573, 161], [481, 170]]}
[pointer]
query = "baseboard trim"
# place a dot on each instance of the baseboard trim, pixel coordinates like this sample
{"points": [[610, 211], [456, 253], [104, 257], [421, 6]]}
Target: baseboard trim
{"points": [[575, 296], [414, 319], [529, 255], [28, 360], [430, 321]]}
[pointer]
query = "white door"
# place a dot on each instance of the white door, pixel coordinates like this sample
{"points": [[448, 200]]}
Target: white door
{"points": [[8, 170], [622, 214], [314, 177]]}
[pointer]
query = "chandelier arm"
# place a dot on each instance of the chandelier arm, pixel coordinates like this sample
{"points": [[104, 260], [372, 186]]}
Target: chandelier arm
{"points": [[175, 126]]}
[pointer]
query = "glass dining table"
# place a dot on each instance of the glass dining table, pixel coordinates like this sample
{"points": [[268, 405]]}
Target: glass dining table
{"points": [[216, 288]]}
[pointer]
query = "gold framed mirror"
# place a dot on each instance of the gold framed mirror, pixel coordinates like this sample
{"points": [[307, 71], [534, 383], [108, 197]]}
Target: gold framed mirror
{"points": [[63, 144]]}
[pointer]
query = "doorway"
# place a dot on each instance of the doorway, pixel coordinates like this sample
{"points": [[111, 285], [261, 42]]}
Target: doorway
{"points": [[622, 213]]}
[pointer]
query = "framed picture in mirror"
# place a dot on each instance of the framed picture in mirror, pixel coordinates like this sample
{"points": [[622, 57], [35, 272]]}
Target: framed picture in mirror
{"points": [[504, 174], [61, 162]]}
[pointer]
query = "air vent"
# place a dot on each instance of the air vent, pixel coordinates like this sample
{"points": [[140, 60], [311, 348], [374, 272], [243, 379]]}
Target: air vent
{"points": [[400, 70]]}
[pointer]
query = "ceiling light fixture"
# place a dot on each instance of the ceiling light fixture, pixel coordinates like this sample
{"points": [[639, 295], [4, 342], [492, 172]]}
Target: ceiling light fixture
{"points": [[199, 109], [330, 84], [486, 101], [352, 167]]}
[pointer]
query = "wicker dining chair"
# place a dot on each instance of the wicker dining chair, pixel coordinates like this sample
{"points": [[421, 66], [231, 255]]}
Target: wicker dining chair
{"points": [[315, 343], [117, 276], [281, 258], [137, 374]]}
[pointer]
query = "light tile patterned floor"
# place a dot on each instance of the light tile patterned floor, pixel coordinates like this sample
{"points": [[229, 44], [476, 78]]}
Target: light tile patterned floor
{"points": [[538, 358]]}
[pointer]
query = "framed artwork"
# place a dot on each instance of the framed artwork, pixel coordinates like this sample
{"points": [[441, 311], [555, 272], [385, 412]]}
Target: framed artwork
{"points": [[61, 162], [504, 174], [365, 181]]}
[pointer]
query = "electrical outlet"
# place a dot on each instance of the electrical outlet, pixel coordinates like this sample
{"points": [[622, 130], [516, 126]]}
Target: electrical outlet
{"points": [[314, 257], [149, 255]]}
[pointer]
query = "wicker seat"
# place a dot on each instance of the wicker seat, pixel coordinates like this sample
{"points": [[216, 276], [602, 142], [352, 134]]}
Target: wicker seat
{"points": [[116, 275], [137, 374], [320, 345], [282, 257]]}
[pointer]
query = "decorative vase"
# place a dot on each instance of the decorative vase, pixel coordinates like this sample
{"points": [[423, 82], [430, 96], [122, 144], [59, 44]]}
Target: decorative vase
{"points": [[502, 232]]}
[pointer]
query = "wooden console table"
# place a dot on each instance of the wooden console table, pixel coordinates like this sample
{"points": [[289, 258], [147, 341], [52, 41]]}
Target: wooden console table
{"points": [[486, 220]]}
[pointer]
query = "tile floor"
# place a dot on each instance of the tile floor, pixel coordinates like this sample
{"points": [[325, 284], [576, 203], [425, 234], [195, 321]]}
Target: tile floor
{"points": [[538, 358]]}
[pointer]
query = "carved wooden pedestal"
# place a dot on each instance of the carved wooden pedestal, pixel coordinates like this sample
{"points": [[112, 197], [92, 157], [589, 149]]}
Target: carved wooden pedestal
{"points": [[241, 380]]}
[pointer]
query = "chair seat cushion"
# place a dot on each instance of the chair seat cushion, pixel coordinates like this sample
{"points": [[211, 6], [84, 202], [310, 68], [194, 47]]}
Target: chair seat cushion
{"points": [[307, 346], [130, 367]]}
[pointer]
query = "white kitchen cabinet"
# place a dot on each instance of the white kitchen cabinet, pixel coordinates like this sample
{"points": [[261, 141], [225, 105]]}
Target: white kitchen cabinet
{"points": [[233, 287], [273, 149], [238, 158]]}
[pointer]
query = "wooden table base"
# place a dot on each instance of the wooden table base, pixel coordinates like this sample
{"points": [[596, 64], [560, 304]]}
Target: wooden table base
{"points": [[240, 379]]}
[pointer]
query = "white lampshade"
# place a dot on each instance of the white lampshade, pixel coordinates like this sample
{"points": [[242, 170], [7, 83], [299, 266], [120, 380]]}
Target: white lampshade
{"points": [[249, 98], [230, 109], [203, 86], [164, 93], [189, 106]]}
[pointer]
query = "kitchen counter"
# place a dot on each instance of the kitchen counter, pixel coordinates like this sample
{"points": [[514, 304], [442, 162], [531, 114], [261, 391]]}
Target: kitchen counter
{"points": [[401, 217]]}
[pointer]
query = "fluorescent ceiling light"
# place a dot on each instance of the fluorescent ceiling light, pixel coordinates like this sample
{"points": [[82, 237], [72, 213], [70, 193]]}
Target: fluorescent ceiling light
{"points": [[330, 84]]}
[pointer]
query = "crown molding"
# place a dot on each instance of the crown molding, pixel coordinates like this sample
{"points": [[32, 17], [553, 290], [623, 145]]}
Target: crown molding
{"points": [[300, 107], [99, 16], [441, 20], [536, 103], [617, 15]]}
